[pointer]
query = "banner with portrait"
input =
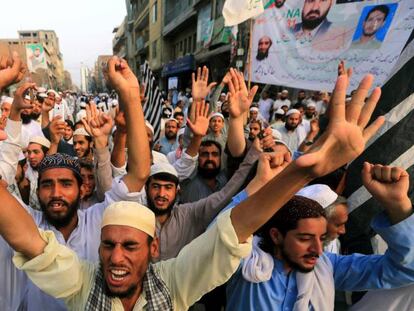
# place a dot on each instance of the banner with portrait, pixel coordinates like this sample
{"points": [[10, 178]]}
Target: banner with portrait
{"points": [[35, 55], [299, 43]]}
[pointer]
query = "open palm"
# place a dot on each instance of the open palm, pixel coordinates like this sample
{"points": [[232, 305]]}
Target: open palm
{"points": [[346, 134], [240, 98], [201, 121], [200, 86]]}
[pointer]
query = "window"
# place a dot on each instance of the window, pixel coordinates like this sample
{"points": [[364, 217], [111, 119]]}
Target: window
{"points": [[154, 49], [185, 46], [154, 12]]}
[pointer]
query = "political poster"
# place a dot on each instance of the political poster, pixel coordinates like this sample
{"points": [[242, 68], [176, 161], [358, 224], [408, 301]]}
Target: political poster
{"points": [[36, 58], [299, 43]]}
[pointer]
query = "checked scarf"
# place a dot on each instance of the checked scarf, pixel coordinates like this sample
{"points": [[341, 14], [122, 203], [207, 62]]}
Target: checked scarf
{"points": [[156, 292]]}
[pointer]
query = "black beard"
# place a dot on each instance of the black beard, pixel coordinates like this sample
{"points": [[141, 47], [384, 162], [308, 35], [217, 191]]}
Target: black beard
{"points": [[158, 211], [171, 136], [368, 34], [309, 115], [208, 173], [61, 222], [290, 127], [279, 5], [313, 23], [34, 116], [225, 114], [262, 55], [26, 118]]}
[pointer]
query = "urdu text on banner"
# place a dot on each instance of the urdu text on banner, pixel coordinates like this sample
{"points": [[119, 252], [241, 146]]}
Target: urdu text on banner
{"points": [[298, 43]]}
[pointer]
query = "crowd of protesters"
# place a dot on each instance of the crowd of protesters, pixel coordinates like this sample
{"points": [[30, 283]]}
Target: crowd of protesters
{"points": [[229, 209]]}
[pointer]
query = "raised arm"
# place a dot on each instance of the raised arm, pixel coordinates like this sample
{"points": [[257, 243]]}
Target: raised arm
{"points": [[139, 158], [342, 142], [240, 100], [12, 70], [99, 126], [118, 155]]}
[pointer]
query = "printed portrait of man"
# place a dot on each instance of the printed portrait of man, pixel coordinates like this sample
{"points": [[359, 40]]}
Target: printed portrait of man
{"points": [[373, 23], [314, 18], [263, 48]]}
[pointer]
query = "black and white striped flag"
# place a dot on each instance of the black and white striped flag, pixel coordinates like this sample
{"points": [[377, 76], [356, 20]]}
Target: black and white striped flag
{"points": [[393, 145], [153, 105]]}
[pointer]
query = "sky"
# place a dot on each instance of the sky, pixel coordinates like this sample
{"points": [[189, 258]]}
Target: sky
{"points": [[84, 28]]}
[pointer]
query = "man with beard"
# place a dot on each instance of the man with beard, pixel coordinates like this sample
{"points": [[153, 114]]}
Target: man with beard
{"points": [[282, 101], [290, 133], [82, 144], [208, 178], [263, 48], [314, 22], [5, 111], [169, 142], [36, 152], [59, 186], [373, 22], [30, 127], [310, 112]]}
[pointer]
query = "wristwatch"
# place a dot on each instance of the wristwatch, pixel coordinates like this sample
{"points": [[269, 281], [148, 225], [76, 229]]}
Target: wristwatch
{"points": [[308, 142]]}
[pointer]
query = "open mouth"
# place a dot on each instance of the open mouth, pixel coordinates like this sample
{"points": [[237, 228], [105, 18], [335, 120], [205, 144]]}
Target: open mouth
{"points": [[57, 206], [117, 277]]}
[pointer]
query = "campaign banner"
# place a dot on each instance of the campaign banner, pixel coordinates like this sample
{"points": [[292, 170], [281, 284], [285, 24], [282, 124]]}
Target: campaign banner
{"points": [[299, 43], [36, 58]]}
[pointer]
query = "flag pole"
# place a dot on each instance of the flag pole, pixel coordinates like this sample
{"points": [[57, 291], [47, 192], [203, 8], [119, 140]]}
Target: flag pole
{"points": [[249, 68]]}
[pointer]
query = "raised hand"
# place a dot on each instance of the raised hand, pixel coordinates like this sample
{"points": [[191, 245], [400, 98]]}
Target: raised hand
{"points": [[18, 101], [122, 79], [389, 185], [270, 165], [342, 70], [240, 98], [96, 123], [12, 70], [200, 86], [120, 121], [201, 121], [346, 134], [57, 129]]}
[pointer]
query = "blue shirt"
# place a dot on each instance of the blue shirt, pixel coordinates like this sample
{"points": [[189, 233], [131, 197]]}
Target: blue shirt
{"points": [[166, 146], [352, 273]]}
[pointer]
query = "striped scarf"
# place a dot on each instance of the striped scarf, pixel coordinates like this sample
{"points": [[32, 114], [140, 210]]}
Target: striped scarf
{"points": [[156, 292]]}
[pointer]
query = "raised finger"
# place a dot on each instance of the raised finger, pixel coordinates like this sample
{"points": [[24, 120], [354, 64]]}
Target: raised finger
{"points": [[358, 99], [337, 103], [235, 79], [198, 73], [373, 128], [369, 107], [204, 75], [241, 81]]}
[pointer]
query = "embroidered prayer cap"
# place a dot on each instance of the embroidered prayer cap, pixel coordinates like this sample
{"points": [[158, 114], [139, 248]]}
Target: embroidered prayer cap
{"points": [[285, 92], [60, 160], [163, 167], [319, 193], [131, 214], [81, 131], [254, 109], [172, 119], [217, 114], [281, 142], [292, 111], [311, 105], [149, 126], [40, 140], [8, 100]]}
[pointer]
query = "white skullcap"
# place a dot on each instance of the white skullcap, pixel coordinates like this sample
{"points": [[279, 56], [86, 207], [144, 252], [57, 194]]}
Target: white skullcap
{"points": [[311, 105], [171, 119], [151, 128], [280, 111], [82, 104], [217, 114], [81, 131], [319, 193], [7, 99], [190, 100], [280, 141], [40, 140], [285, 92], [254, 109], [181, 131], [223, 94], [43, 95], [27, 97], [41, 90], [52, 91], [131, 214], [163, 167], [292, 111]]}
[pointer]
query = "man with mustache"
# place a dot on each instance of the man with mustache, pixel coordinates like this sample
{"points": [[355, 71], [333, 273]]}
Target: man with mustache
{"points": [[59, 192], [314, 19]]}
